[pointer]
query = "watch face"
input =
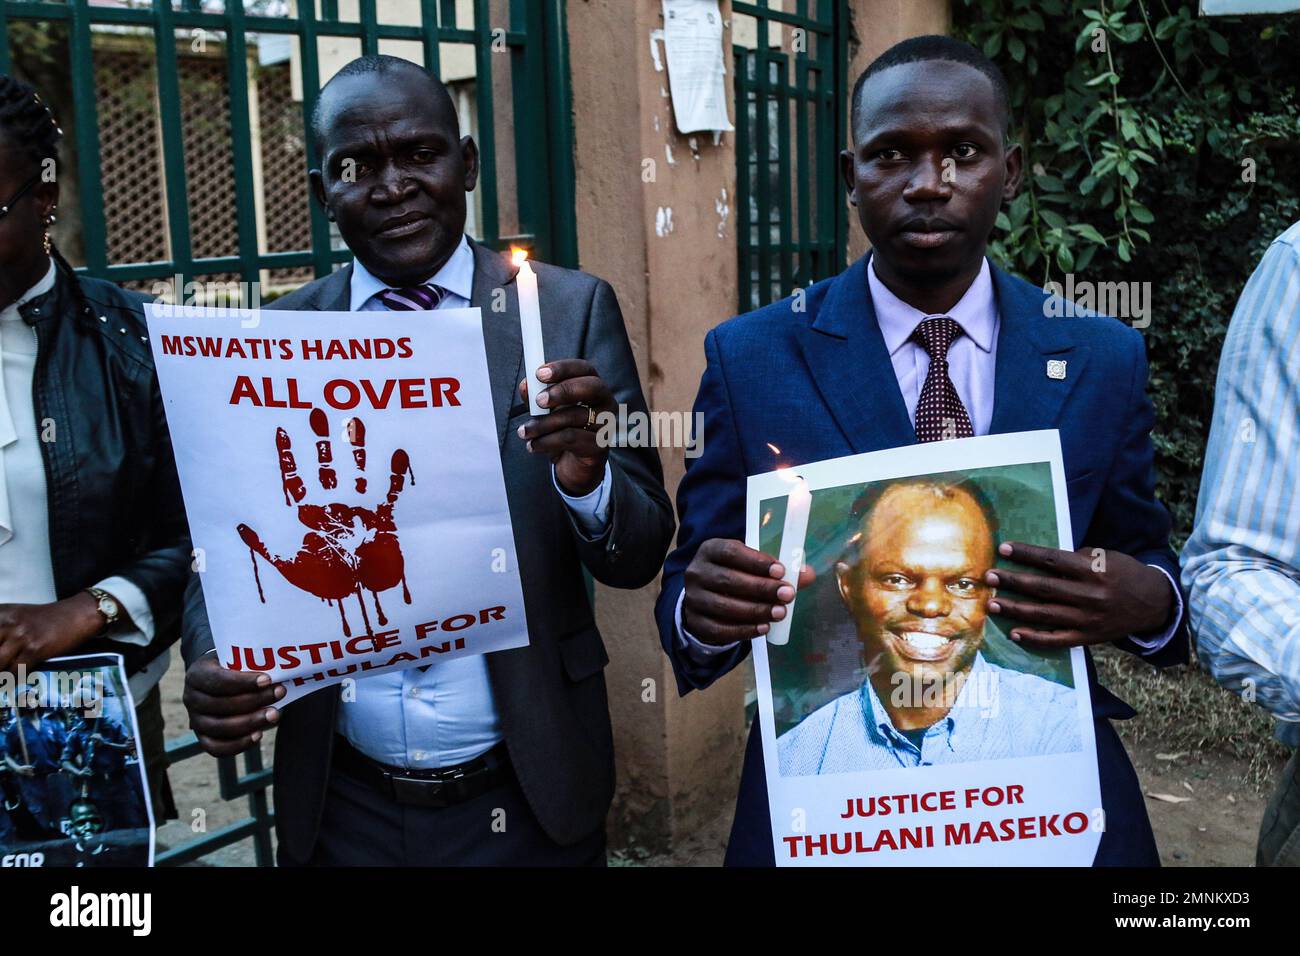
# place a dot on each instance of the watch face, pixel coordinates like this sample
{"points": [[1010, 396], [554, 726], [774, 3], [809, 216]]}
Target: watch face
{"points": [[108, 607]]}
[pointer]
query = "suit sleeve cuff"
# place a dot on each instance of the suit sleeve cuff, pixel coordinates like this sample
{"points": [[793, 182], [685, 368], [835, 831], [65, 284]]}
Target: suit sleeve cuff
{"points": [[138, 629], [591, 511], [698, 651], [1149, 645]]}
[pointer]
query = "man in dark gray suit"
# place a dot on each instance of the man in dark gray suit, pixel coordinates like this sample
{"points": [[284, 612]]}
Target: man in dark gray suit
{"points": [[498, 758]]}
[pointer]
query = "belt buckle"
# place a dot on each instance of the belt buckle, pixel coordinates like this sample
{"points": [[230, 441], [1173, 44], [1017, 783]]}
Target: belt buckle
{"points": [[413, 790], [437, 793]]}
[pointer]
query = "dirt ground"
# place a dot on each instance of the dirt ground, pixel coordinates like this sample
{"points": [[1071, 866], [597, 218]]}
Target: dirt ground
{"points": [[1216, 817], [1204, 811]]}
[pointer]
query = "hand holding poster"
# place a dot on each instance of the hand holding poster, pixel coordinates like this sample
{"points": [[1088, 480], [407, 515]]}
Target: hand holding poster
{"points": [[342, 479], [901, 726]]}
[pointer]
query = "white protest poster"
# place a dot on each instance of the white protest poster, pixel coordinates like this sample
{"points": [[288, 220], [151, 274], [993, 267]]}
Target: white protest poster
{"points": [[73, 791], [900, 724], [342, 479], [696, 72]]}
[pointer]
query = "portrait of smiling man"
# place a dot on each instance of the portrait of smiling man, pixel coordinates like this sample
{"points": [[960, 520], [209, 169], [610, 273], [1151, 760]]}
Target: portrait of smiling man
{"points": [[505, 758], [924, 339], [913, 581]]}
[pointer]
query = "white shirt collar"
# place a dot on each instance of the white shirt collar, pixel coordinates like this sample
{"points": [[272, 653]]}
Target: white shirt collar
{"points": [[976, 313], [456, 276], [42, 287]]}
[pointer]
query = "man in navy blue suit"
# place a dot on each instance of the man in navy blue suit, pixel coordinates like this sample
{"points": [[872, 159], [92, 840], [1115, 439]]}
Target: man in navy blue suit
{"points": [[924, 340]]}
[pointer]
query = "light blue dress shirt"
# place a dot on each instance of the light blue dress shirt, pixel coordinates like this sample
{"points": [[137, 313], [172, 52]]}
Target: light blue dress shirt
{"points": [[1241, 566], [998, 714], [445, 713]]}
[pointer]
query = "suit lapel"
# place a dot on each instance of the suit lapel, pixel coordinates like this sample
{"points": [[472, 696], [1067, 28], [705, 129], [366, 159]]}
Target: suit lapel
{"points": [[1024, 398], [850, 365], [335, 292], [494, 279]]}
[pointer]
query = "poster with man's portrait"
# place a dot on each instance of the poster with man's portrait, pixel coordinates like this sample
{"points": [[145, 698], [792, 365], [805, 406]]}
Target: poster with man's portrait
{"points": [[900, 723]]}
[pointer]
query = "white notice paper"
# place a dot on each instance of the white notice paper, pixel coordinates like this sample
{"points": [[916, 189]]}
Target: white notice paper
{"points": [[696, 74]]}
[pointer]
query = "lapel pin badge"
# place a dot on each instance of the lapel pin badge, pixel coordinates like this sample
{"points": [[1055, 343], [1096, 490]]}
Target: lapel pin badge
{"points": [[1056, 369]]}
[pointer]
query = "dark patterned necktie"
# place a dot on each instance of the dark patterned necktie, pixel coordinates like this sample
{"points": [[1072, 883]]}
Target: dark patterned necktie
{"points": [[420, 298], [939, 412]]}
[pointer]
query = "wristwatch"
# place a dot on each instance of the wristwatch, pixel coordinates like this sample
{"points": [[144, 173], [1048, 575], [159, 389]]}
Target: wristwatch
{"points": [[107, 605]]}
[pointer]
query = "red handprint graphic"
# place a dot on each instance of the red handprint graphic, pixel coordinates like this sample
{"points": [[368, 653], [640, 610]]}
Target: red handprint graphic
{"points": [[347, 549]]}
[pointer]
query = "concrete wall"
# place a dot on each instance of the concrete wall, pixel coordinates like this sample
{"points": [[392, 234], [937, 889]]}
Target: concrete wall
{"points": [[678, 757]]}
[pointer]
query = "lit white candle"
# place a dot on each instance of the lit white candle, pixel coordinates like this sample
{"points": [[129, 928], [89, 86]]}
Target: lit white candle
{"points": [[793, 538], [530, 319]]}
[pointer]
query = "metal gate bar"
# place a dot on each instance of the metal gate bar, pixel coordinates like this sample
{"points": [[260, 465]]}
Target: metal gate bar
{"points": [[793, 228]]}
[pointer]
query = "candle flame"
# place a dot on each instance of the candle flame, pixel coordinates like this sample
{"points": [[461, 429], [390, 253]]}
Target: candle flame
{"points": [[775, 450], [518, 256], [767, 516]]}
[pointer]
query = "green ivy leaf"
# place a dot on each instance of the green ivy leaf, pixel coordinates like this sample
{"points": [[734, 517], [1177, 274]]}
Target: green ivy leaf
{"points": [[1053, 219], [1089, 231], [1085, 257], [1131, 32], [1065, 259]]}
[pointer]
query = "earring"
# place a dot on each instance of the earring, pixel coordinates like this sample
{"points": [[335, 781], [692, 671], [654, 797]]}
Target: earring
{"points": [[49, 221]]}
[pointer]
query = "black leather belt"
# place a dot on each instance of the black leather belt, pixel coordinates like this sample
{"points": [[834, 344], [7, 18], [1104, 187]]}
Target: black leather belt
{"points": [[443, 787]]}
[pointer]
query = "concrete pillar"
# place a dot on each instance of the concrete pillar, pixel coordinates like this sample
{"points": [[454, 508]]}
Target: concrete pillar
{"points": [[655, 219]]}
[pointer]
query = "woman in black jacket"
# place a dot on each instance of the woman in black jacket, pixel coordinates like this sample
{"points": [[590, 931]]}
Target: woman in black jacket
{"points": [[94, 549]]}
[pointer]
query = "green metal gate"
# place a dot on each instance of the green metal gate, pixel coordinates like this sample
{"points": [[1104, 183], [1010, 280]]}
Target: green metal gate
{"points": [[525, 36], [791, 62]]}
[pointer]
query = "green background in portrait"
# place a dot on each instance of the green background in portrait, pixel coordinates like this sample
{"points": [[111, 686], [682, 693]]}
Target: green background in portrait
{"points": [[824, 658]]}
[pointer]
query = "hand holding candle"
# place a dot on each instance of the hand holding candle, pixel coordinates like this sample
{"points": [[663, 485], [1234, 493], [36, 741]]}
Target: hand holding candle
{"points": [[735, 593], [565, 396]]}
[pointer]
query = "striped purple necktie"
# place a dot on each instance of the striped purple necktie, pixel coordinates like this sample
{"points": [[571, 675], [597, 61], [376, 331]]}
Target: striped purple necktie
{"points": [[420, 298]]}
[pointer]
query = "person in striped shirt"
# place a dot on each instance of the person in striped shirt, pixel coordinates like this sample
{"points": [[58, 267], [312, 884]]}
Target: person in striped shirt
{"points": [[1241, 566]]}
